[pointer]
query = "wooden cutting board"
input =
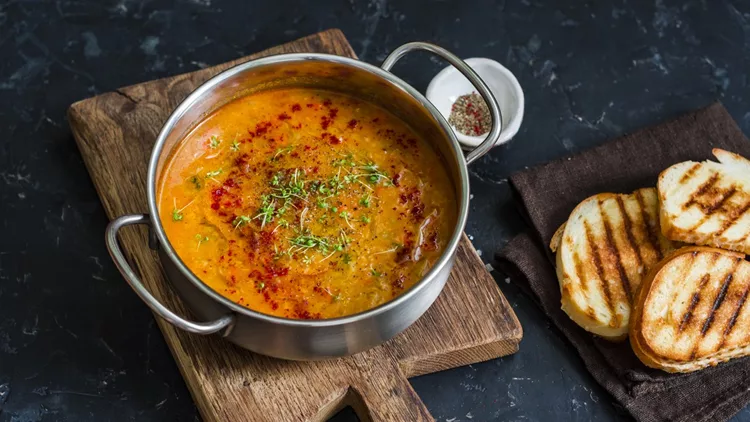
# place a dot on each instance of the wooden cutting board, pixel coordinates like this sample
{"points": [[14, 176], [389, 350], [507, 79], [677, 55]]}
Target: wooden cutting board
{"points": [[470, 322]]}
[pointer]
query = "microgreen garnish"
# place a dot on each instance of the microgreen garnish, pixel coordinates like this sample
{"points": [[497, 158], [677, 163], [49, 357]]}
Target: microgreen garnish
{"points": [[241, 220], [282, 223], [281, 151], [306, 260], [307, 241], [375, 174], [346, 258], [196, 181], [177, 213], [394, 249], [235, 146], [286, 189], [345, 216], [365, 201], [365, 219], [214, 173], [266, 211], [347, 161], [375, 273], [200, 238], [215, 142]]}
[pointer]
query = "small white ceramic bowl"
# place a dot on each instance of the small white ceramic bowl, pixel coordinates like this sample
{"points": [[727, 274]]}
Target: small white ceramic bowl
{"points": [[450, 84]]}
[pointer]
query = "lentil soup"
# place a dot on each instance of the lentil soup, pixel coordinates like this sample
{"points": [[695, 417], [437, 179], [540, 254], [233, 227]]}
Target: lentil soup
{"points": [[306, 204]]}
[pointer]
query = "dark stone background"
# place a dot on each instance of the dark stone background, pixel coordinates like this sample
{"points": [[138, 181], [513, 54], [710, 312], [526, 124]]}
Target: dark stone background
{"points": [[76, 344]]}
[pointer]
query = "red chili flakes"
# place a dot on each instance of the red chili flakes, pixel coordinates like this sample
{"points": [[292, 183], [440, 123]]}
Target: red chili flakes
{"points": [[217, 193], [299, 126], [417, 212], [412, 142], [277, 271], [262, 128], [315, 169], [375, 120], [398, 282], [396, 179], [307, 147], [332, 113], [310, 105], [284, 116], [327, 102], [331, 138], [296, 107], [215, 206], [230, 183], [325, 122], [352, 124], [266, 238]]}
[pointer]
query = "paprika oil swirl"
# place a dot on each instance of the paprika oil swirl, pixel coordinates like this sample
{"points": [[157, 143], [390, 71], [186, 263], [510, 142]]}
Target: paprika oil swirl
{"points": [[306, 204]]}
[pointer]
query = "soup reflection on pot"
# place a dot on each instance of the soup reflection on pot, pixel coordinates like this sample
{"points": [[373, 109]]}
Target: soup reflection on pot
{"points": [[306, 206]]}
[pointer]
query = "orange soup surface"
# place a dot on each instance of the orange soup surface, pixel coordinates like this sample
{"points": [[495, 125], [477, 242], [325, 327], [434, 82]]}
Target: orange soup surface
{"points": [[306, 204]]}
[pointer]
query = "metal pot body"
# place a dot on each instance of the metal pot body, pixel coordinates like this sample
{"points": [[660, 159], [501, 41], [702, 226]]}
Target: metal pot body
{"points": [[287, 338]]}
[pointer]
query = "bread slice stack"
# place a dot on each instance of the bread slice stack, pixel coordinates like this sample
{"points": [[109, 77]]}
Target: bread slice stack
{"points": [[620, 274]]}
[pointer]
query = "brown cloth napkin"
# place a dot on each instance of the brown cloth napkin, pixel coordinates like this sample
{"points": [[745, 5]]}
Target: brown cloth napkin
{"points": [[548, 193]]}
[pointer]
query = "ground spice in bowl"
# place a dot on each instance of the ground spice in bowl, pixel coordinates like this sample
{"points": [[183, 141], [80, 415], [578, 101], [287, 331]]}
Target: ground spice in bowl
{"points": [[470, 115]]}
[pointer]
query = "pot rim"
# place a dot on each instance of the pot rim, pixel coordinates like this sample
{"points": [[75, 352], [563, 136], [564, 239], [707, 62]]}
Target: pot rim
{"points": [[445, 258]]}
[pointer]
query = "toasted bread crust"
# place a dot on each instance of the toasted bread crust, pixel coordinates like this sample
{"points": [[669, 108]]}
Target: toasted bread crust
{"points": [[602, 253], [672, 362], [707, 203]]}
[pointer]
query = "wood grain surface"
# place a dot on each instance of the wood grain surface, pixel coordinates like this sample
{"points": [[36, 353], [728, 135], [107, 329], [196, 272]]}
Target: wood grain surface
{"points": [[470, 322]]}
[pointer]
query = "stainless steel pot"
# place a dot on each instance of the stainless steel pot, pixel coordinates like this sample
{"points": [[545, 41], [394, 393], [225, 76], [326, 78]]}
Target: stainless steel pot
{"points": [[288, 338]]}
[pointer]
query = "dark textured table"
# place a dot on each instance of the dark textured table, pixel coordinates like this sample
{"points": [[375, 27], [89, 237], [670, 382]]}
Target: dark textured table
{"points": [[75, 342]]}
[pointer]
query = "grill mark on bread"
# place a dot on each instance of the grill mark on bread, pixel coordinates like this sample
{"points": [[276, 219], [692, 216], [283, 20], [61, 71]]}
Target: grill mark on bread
{"points": [[629, 230], [710, 208], [717, 303], [579, 271], [702, 189], [599, 269], [733, 319], [733, 215], [612, 250], [685, 269], [695, 299], [653, 236], [689, 173]]}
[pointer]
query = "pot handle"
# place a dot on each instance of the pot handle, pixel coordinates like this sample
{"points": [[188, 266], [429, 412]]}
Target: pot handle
{"points": [[466, 70], [127, 272]]}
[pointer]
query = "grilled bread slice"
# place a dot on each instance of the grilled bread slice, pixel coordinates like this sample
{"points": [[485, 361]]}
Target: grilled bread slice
{"points": [[707, 203], [692, 310], [607, 246]]}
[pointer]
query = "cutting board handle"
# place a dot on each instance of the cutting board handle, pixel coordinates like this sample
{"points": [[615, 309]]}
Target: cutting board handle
{"points": [[381, 393]]}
